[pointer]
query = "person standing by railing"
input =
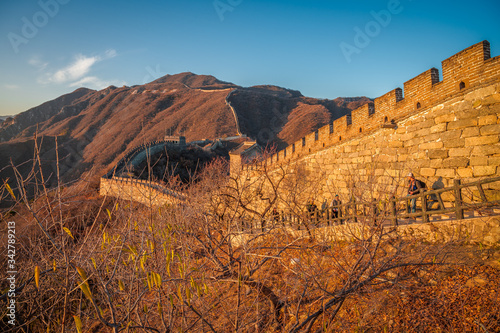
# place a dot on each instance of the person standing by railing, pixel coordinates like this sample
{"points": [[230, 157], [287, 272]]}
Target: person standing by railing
{"points": [[414, 186], [312, 210], [335, 207]]}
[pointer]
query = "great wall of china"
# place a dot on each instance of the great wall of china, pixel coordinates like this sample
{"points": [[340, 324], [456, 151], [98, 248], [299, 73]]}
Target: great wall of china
{"points": [[440, 130], [146, 192]]}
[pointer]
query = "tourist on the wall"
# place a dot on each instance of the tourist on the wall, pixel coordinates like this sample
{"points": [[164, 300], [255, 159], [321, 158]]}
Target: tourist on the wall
{"points": [[311, 209], [276, 215], [414, 186], [335, 207]]}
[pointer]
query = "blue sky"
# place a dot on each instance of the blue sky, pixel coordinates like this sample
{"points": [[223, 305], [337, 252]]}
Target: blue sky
{"points": [[52, 47]]}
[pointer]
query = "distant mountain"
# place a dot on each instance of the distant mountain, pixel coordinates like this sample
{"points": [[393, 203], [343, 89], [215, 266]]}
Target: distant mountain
{"points": [[3, 118], [96, 128], [37, 115]]}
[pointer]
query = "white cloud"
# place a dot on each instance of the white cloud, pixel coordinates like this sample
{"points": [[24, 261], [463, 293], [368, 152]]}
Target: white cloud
{"points": [[80, 67], [11, 86], [94, 82], [37, 62], [76, 72]]}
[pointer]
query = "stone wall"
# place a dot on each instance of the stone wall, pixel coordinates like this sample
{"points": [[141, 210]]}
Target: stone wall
{"points": [[463, 72], [440, 131], [142, 191]]}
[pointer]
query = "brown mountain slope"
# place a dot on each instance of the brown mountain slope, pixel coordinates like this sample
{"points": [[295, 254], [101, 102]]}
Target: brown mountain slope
{"points": [[277, 115], [11, 127], [96, 128]]}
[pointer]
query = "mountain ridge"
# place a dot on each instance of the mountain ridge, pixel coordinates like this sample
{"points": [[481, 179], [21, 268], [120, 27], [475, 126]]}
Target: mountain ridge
{"points": [[96, 128]]}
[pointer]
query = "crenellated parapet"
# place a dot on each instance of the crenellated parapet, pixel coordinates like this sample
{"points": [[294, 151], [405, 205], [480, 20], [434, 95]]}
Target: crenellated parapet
{"points": [[137, 153], [461, 73], [146, 192]]}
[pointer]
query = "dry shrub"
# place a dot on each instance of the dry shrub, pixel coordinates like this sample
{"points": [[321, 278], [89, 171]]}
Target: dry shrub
{"points": [[120, 266]]}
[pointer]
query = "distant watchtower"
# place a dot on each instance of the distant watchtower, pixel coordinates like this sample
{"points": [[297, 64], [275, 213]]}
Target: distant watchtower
{"points": [[243, 154], [175, 140]]}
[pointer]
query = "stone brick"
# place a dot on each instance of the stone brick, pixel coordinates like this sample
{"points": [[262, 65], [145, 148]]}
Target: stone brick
{"points": [[459, 152], [445, 173], [484, 170], [395, 144], [427, 172], [422, 133], [488, 110], [462, 123], [454, 143], [464, 172], [432, 137], [490, 129], [466, 113], [487, 120], [470, 131], [437, 153], [386, 158], [486, 150], [481, 140], [492, 99], [478, 160], [456, 162], [436, 163], [446, 118], [412, 142], [407, 136], [494, 160], [425, 124], [400, 130], [441, 127], [424, 163], [431, 145], [451, 135], [402, 151]]}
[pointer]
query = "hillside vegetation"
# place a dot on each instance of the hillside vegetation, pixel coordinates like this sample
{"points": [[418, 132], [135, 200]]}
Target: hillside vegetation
{"points": [[91, 264]]}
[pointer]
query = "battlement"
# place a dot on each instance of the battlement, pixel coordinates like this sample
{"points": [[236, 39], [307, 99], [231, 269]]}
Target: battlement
{"points": [[462, 72], [146, 192]]}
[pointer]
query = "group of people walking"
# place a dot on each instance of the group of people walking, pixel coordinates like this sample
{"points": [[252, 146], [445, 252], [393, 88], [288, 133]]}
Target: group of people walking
{"points": [[333, 210]]}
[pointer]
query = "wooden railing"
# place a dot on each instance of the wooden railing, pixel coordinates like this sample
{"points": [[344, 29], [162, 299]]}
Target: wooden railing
{"points": [[460, 198]]}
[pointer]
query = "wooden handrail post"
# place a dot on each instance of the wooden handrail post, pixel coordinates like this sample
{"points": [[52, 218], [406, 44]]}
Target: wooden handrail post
{"points": [[425, 219], [481, 193], [354, 211], [394, 218], [459, 212]]}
